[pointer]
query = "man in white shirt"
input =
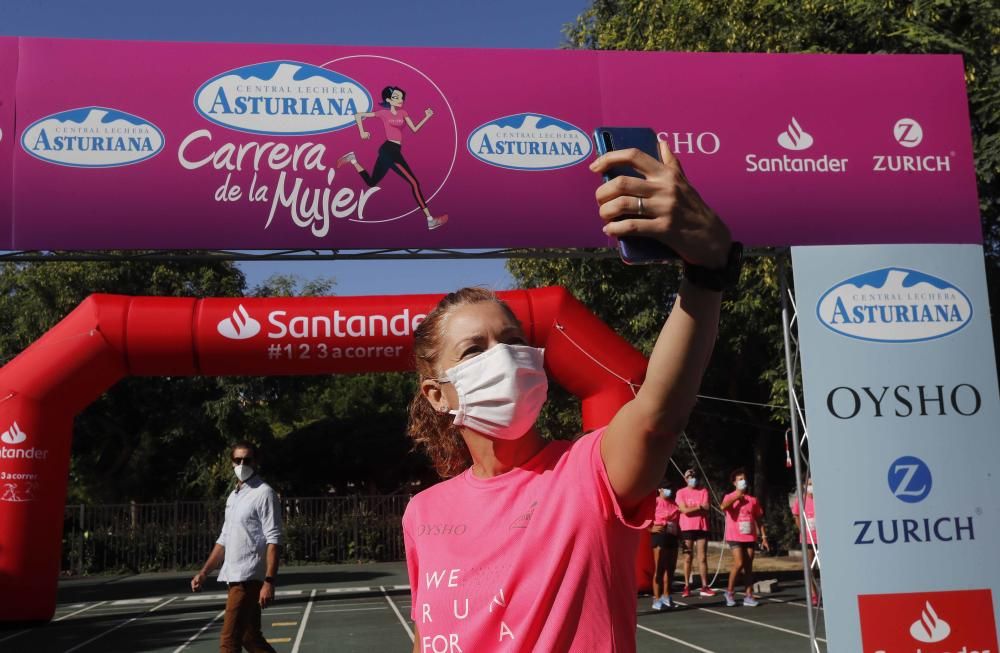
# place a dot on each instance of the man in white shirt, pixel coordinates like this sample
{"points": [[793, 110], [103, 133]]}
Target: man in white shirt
{"points": [[247, 550]]}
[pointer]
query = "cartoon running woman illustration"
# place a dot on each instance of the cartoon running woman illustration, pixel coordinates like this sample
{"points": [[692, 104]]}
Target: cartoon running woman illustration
{"points": [[390, 154]]}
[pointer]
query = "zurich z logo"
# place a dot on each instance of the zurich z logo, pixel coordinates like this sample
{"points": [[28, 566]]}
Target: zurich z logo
{"points": [[910, 479]]}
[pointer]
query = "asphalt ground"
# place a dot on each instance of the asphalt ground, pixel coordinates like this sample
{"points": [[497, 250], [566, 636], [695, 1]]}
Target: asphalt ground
{"points": [[361, 609]]}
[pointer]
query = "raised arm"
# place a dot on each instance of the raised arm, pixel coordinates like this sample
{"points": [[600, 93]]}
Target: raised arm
{"points": [[640, 438], [415, 128]]}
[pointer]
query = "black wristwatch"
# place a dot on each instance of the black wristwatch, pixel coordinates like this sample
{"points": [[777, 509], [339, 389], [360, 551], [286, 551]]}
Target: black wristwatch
{"points": [[717, 279], [269, 579]]}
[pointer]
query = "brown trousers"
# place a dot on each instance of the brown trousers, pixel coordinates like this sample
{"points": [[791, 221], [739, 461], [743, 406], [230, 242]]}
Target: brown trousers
{"points": [[241, 625]]}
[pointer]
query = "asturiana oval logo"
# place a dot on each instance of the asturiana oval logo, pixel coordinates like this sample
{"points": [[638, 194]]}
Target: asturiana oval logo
{"points": [[92, 137], [529, 141], [282, 97], [894, 305]]}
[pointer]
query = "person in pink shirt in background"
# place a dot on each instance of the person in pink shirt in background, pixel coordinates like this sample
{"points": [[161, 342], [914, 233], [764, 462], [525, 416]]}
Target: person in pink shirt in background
{"points": [[529, 545], [692, 502], [390, 154], [665, 532], [743, 513], [811, 540]]}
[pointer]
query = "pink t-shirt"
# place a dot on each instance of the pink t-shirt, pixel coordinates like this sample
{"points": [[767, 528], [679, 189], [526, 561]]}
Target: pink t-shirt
{"points": [[393, 123], [666, 513], [741, 518], [538, 559], [810, 518], [689, 497]]}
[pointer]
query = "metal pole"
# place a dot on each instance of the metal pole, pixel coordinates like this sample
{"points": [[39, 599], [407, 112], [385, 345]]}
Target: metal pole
{"points": [[83, 541], [803, 526], [177, 526]]}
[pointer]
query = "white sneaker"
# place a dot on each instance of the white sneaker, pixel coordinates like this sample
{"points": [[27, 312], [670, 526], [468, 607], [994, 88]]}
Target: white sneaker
{"points": [[730, 601], [658, 605], [667, 603], [347, 158], [750, 602], [434, 223]]}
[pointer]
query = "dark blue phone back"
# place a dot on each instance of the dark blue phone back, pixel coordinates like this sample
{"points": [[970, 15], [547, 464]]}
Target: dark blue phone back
{"points": [[633, 249]]}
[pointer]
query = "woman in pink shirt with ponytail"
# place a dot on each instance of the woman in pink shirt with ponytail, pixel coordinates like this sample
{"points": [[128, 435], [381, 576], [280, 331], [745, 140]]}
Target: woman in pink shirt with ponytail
{"points": [[529, 545]]}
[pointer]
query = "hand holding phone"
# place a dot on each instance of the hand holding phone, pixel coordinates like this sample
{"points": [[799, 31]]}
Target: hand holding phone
{"points": [[674, 211], [634, 250]]}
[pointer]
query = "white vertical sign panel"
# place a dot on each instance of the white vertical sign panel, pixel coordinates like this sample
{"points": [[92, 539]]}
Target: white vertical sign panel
{"points": [[903, 419]]}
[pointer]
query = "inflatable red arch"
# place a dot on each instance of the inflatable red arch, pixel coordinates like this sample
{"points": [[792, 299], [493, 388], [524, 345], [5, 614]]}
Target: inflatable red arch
{"points": [[108, 337]]}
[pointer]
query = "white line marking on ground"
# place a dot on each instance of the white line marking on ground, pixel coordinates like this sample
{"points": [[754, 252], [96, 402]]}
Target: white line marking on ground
{"points": [[288, 593], [751, 621], [20, 632], [351, 590], [362, 589], [398, 615], [67, 616], [347, 603], [305, 619], [381, 607], [120, 624], [674, 639], [170, 600], [207, 597], [143, 601], [198, 634], [794, 603]]}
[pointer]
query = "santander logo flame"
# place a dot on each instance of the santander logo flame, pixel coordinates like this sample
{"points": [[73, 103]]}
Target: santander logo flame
{"points": [[929, 628], [795, 138], [239, 326], [14, 435]]}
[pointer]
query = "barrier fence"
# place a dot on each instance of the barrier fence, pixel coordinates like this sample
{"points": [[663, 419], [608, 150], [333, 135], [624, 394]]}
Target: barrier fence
{"points": [[141, 537], [146, 537]]}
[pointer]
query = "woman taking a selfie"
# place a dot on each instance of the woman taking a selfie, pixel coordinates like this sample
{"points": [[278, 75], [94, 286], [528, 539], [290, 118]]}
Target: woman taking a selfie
{"points": [[530, 545]]}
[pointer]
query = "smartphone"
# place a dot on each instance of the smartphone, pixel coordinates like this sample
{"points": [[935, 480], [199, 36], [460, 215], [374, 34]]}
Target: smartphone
{"points": [[634, 250]]}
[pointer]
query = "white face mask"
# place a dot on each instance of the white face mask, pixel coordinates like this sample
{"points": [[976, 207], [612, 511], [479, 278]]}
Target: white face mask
{"points": [[809, 489], [500, 391], [692, 482], [666, 494], [243, 472], [741, 484]]}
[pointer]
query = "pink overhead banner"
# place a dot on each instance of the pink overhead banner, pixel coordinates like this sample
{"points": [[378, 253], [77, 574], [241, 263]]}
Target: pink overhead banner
{"points": [[135, 145]]}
